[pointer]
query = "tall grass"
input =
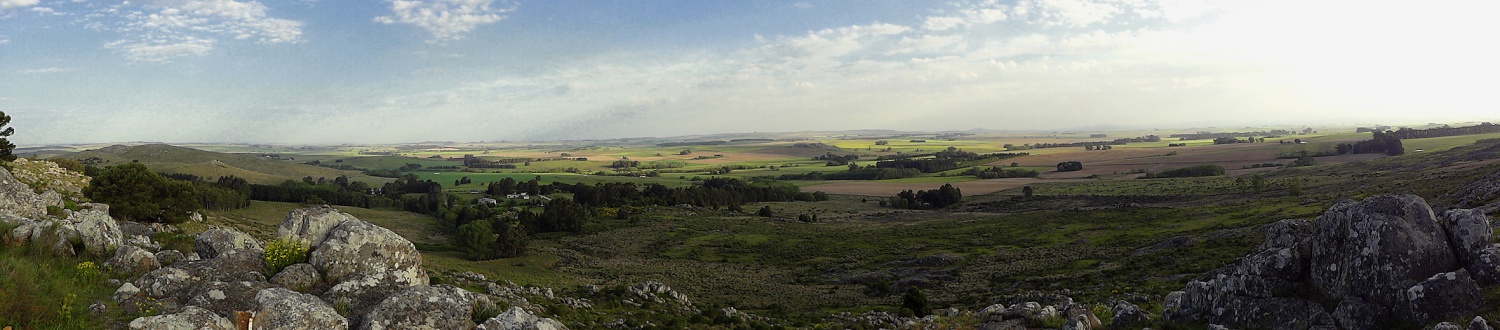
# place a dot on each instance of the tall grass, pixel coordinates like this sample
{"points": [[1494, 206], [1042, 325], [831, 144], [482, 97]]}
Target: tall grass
{"points": [[45, 292]]}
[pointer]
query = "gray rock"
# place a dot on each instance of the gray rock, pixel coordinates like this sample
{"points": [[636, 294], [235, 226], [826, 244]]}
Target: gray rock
{"points": [[1077, 323], [220, 242], [1357, 314], [1446, 326], [1478, 323], [1026, 310], [225, 298], [189, 318], [167, 282], [1012, 324], [129, 297], [142, 241], [310, 225], [1443, 296], [362, 292], [423, 307], [279, 308], [1378, 247], [358, 247], [18, 200], [992, 312], [1128, 316], [169, 257], [518, 319], [1073, 311], [99, 232], [1469, 232], [298, 277], [130, 261], [1214, 302]]}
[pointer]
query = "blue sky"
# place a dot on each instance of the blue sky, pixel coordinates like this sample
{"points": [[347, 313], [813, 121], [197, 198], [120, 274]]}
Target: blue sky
{"points": [[319, 71]]}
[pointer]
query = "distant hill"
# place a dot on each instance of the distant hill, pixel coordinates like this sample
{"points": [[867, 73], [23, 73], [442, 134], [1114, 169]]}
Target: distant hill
{"points": [[255, 168]]}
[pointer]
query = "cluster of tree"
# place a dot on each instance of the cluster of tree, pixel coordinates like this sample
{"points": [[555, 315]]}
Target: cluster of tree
{"points": [[1069, 166], [134, 192], [1211, 135], [1378, 128], [509, 186], [691, 143], [1233, 140], [226, 193], [625, 163], [329, 192], [953, 158], [462, 181], [1098, 147], [471, 161], [751, 140], [1408, 133], [996, 172], [856, 173], [1190, 171], [837, 160], [491, 238], [1098, 136], [1115, 142], [882, 142], [1378, 143], [1177, 144], [927, 199], [712, 192]]}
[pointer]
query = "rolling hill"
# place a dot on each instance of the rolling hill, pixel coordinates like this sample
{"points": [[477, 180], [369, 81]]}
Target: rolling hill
{"points": [[255, 168]]}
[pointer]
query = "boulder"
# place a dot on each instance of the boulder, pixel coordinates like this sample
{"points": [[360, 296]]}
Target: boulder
{"points": [[298, 277], [1077, 323], [167, 282], [1073, 311], [992, 312], [310, 225], [1012, 324], [221, 242], [1214, 302], [1443, 296], [189, 318], [1128, 316], [1478, 323], [225, 298], [658, 292], [423, 307], [169, 257], [1026, 310], [358, 247], [98, 232], [1446, 326], [518, 319], [279, 308], [130, 261], [1378, 247], [142, 241], [362, 292]]}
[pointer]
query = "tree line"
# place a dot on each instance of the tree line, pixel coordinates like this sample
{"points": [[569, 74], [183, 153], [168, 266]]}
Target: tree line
{"points": [[1408, 133], [926, 199]]}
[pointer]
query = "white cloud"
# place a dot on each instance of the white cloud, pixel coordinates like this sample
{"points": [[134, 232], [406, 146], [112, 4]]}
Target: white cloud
{"points": [[1067, 13], [47, 70], [446, 19], [163, 50], [971, 14], [11, 4], [161, 30]]}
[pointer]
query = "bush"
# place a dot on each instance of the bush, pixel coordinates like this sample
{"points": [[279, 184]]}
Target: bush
{"points": [[916, 301], [1190, 171], [281, 253]]}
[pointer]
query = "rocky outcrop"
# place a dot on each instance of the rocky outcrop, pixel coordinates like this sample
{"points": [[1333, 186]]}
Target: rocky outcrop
{"points": [[225, 298], [220, 242], [518, 319], [1128, 316], [98, 232], [366, 263], [659, 293], [20, 201], [423, 307], [279, 308], [311, 225], [1386, 259], [190, 318], [91, 227]]}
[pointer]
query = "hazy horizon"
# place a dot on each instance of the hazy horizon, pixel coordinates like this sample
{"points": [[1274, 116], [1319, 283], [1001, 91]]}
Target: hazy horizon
{"points": [[312, 71]]}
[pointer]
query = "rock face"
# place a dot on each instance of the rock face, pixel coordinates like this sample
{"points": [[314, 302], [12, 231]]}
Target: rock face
{"points": [[367, 263], [279, 308], [299, 277], [518, 319], [225, 298], [1385, 259], [18, 200], [95, 228], [423, 307], [131, 260]]}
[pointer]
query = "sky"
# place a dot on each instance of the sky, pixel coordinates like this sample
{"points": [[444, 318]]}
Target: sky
{"points": [[391, 71]]}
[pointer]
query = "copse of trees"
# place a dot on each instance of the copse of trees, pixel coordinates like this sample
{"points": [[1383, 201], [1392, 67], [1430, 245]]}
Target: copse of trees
{"points": [[1379, 142], [1190, 171], [1069, 166], [952, 158], [136, 193], [491, 238], [996, 172], [927, 199], [1408, 133]]}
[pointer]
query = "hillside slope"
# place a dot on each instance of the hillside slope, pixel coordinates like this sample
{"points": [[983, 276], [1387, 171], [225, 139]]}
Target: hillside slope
{"points": [[174, 159]]}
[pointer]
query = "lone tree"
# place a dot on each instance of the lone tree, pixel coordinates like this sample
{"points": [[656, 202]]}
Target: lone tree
{"points": [[136, 193], [915, 301], [5, 146]]}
